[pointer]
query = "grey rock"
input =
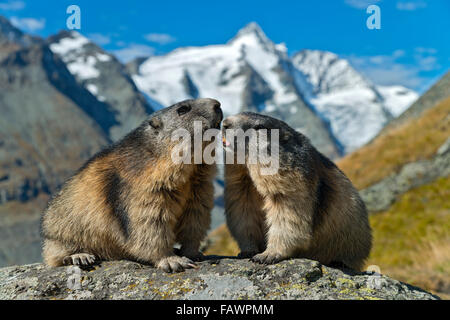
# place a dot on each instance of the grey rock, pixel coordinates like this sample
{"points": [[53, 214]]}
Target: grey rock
{"points": [[216, 278]]}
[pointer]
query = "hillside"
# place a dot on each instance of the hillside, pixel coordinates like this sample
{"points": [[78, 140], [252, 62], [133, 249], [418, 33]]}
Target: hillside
{"points": [[438, 92], [355, 108], [414, 140]]}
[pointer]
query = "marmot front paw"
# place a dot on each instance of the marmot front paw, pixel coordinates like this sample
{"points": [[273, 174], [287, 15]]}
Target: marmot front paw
{"points": [[175, 264], [267, 258], [79, 259]]}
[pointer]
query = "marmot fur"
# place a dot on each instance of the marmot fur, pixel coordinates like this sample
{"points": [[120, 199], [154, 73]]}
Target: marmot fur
{"points": [[309, 208], [131, 201]]}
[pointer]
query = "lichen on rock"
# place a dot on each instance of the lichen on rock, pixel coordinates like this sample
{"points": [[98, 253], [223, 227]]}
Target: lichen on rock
{"points": [[215, 278]]}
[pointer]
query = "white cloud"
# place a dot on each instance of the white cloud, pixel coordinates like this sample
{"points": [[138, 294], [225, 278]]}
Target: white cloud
{"points": [[160, 38], [99, 38], [12, 5], [360, 4], [425, 58], [425, 50], [411, 5], [388, 70], [133, 51], [28, 24]]}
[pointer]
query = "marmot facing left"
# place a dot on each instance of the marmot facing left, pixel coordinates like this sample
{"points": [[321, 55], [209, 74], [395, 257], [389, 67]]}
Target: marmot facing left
{"points": [[131, 201], [308, 208]]}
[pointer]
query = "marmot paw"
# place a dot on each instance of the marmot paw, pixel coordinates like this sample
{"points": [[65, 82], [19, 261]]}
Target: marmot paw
{"points": [[267, 258], [175, 264], [80, 259]]}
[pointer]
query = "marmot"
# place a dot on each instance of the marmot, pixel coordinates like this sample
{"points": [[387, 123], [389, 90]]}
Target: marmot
{"points": [[131, 201], [309, 208]]}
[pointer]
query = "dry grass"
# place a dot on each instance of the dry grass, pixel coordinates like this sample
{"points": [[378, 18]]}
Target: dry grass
{"points": [[415, 140], [222, 243], [412, 238], [431, 260]]}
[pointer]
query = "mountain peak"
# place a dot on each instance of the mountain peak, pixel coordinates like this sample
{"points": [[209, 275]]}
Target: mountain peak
{"points": [[251, 27], [251, 30], [9, 33]]}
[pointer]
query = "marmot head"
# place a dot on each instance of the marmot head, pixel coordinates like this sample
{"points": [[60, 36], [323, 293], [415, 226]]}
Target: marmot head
{"points": [[183, 115], [273, 137], [155, 134], [251, 123]]}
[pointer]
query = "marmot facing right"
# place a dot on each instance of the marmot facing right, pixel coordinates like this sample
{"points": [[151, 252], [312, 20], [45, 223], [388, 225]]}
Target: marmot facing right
{"points": [[309, 208], [132, 201]]}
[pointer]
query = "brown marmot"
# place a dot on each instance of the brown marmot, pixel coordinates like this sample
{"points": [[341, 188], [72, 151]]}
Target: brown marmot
{"points": [[308, 208], [131, 201]]}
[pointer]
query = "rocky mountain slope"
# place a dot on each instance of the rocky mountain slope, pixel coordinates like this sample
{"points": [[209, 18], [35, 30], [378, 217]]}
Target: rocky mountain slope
{"points": [[437, 93], [314, 91], [49, 123], [12, 38], [217, 278], [104, 77], [355, 108]]}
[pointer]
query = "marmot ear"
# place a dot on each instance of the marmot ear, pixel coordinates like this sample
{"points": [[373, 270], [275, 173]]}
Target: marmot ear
{"points": [[155, 123]]}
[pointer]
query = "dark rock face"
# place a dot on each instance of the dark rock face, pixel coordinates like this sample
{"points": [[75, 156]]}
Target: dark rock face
{"points": [[216, 278]]}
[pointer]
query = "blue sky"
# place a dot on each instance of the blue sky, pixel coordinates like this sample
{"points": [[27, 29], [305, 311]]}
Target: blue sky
{"points": [[412, 48]]}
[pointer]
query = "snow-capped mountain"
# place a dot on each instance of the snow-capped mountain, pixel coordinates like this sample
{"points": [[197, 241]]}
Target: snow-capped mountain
{"points": [[355, 108], [104, 77], [250, 72], [315, 92]]}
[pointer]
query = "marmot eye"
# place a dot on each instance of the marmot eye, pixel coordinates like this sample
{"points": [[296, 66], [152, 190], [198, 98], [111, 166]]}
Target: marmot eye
{"points": [[183, 110]]}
